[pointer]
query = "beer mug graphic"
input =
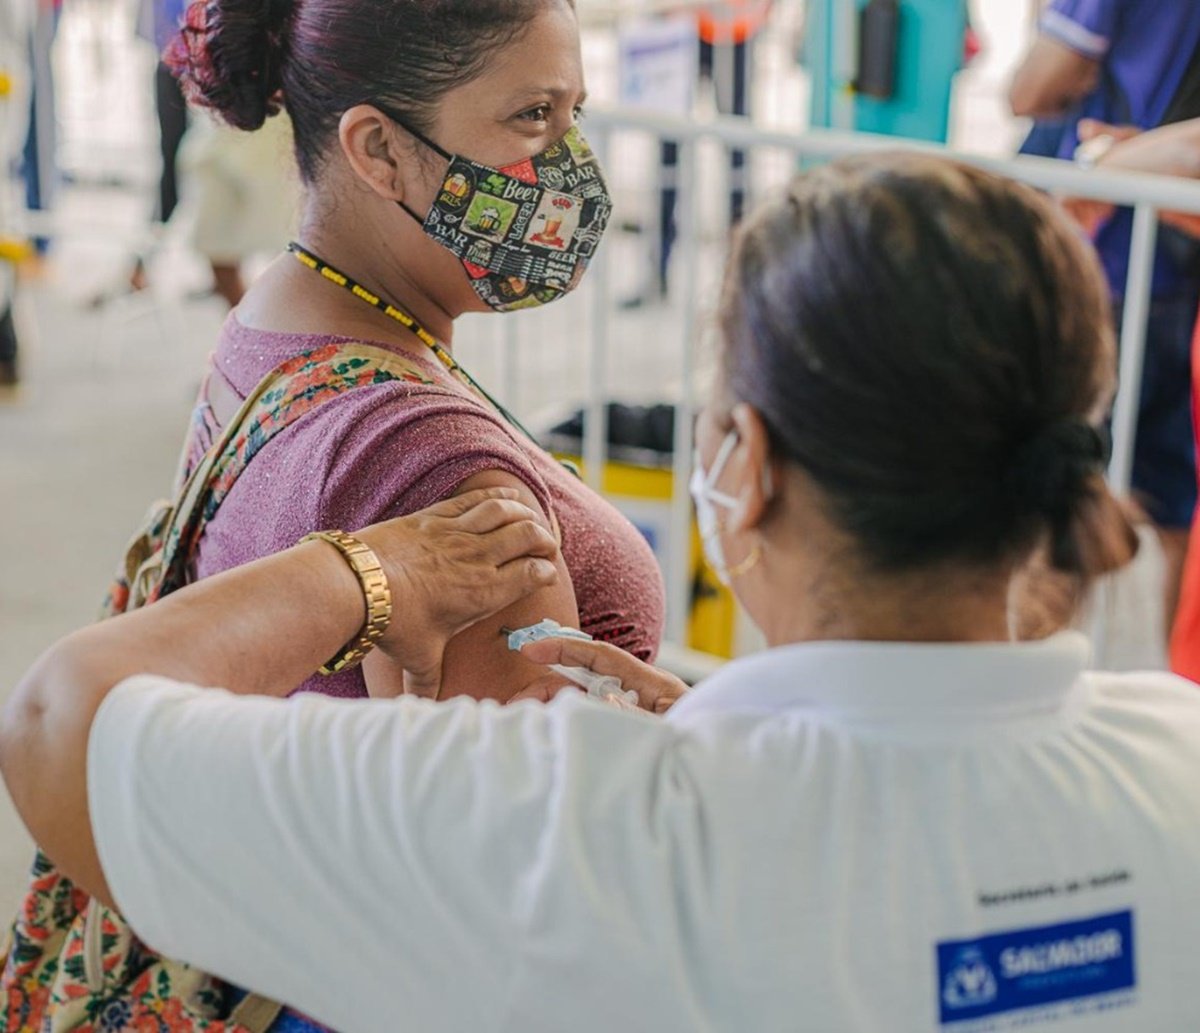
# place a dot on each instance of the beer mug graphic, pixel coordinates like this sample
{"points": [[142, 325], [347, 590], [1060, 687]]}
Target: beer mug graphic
{"points": [[456, 189], [489, 220]]}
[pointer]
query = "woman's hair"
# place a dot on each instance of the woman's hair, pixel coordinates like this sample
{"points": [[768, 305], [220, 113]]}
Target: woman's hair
{"points": [[931, 344], [248, 59]]}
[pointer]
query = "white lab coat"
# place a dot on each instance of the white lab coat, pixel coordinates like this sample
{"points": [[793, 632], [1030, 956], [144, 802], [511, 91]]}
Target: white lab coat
{"points": [[824, 837]]}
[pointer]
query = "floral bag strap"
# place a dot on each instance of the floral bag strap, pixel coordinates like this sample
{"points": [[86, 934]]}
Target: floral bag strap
{"points": [[292, 390]]}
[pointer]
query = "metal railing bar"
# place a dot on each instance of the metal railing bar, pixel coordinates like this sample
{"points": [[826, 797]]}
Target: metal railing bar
{"points": [[595, 424], [687, 207], [1134, 321], [1165, 193], [1133, 345]]}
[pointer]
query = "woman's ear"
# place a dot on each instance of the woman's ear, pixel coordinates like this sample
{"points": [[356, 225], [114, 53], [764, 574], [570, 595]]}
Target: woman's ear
{"points": [[753, 479], [372, 144]]}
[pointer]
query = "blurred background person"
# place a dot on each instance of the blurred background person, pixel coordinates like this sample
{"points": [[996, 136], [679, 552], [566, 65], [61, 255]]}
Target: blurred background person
{"points": [[157, 22], [241, 197], [39, 162], [16, 17], [1045, 136], [234, 195], [9, 375], [1134, 62], [1171, 151], [726, 32]]}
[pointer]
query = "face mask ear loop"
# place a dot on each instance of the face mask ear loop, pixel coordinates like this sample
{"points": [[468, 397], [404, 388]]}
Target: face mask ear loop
{"points": [[718, 468], [423, 139], [400, 121], [413, 215]]}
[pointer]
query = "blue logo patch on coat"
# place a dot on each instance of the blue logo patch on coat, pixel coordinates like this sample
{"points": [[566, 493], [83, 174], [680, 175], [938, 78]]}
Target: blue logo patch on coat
{"points": [[1028, 968]]}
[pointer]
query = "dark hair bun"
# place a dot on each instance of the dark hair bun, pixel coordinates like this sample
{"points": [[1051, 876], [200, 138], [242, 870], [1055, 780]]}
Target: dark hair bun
{"points": [[1050, 469], [229, 57], [1059, 473]]}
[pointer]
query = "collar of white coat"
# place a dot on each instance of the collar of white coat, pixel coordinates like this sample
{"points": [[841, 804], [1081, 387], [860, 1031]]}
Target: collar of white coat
{"points": [[907, 681]]}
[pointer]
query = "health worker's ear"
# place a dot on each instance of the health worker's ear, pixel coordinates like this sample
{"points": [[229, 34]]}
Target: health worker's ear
{"points": [[751, 478]]}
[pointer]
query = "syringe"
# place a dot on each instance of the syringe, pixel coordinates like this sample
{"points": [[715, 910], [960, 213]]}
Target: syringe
{"points": [[603, 687]]}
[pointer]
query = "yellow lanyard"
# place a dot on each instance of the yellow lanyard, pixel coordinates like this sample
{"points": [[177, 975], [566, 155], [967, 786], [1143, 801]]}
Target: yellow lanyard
{"points": [[333, 275]]}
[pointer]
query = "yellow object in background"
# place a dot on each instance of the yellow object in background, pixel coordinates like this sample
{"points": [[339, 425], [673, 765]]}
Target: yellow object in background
{"points": [[14, 249], [713, 620], [644, 494]]}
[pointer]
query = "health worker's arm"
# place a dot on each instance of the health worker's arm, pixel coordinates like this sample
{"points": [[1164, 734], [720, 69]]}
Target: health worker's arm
{"points": [[260, 629], [464, 865]]}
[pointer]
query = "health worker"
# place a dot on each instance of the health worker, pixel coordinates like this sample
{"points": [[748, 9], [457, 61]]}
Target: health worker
{"points": [[895, 818]]}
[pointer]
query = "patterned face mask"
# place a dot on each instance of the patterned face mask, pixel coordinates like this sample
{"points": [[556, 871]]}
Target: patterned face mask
{"points": [[524, 233]]}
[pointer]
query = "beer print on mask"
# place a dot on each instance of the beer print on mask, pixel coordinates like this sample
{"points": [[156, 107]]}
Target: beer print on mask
{"points": [[525, 233]]}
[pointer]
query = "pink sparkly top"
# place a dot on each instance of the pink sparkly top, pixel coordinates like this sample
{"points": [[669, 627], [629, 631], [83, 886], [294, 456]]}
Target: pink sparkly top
{"points": [[398, 447]]}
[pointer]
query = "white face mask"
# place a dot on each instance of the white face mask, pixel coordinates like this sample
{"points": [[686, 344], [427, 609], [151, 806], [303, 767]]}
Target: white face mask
{"points": [[707, 498]]}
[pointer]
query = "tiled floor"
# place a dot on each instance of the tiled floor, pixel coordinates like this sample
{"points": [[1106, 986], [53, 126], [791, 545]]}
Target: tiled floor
{"points": [[92, 437]]}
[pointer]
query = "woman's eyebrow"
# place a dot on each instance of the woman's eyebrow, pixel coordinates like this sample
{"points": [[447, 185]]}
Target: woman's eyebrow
{"points": [[555, 93]]}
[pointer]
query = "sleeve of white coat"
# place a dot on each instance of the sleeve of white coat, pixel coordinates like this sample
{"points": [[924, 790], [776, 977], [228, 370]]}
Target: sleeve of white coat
{"points": [[463, 865]]}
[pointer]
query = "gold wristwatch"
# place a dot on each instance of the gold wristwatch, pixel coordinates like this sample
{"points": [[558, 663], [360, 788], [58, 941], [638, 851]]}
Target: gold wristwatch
{"points": [[376, 594]]}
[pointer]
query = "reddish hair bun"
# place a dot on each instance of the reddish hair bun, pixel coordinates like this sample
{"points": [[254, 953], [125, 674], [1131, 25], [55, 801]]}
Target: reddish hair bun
{"points": [[229, 58]]}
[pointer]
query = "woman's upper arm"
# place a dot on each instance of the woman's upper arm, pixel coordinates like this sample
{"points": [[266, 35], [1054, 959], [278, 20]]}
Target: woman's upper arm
{"points": [[398, 449], [478, 662]]}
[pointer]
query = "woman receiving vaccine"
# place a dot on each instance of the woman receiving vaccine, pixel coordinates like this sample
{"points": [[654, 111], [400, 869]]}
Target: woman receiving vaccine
{"points": [[444, 173]]}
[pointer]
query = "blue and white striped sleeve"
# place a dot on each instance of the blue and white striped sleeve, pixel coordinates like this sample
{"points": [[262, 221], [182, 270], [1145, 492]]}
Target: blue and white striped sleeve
{"points": [[1085, 26]]}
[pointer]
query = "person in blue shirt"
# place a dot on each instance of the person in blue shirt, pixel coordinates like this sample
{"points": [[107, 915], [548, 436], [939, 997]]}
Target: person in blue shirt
{"points": [[39, 159], [158, 23], [1124, 62]]}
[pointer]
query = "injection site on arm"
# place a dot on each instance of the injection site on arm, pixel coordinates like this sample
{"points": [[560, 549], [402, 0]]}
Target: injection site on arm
{"points": [[603, 687]]}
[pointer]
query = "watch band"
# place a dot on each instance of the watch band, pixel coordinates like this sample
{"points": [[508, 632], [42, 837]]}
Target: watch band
{"points": [[376, 594]]}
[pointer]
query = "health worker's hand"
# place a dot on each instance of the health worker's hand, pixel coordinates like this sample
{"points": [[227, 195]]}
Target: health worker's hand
{"points": [[657, 690], [453, 565], [1093, 215]]}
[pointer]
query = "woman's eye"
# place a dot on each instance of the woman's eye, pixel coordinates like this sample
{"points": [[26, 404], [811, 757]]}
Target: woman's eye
{"points": [[539, 114], [580, 112]]}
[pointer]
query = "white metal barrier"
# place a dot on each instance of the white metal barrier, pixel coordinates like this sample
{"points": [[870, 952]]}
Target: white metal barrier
{"points": [[1147, 194]]}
